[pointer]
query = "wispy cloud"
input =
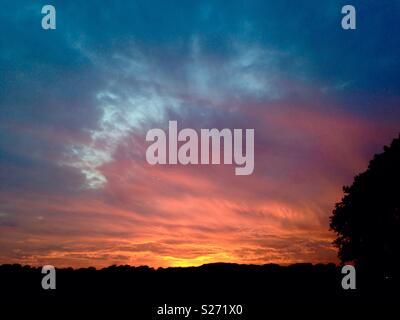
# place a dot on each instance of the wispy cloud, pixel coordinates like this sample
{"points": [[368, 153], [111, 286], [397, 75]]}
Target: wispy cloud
{"points": [[76, 105]]}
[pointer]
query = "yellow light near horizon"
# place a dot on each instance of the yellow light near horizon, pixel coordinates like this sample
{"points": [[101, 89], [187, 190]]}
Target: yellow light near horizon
{"points": [[197, 261]]}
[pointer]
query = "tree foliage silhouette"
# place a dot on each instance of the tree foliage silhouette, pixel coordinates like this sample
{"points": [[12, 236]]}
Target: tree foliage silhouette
{"points": [[367, 220]]}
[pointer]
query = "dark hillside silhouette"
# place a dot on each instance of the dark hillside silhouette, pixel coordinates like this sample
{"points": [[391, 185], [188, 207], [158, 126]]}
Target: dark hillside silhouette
{"points": [[261, 289], [367, 220]]}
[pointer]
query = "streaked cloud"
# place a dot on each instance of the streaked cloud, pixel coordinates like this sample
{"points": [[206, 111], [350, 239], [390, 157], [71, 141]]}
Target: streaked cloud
{"points": [[76, 105]]}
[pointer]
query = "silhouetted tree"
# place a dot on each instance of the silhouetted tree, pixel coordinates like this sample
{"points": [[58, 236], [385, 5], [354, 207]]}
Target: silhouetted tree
{"points": [[367, 220]]}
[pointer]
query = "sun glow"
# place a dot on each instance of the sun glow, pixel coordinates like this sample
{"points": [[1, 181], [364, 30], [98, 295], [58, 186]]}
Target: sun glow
{"points": [[197, 261]]}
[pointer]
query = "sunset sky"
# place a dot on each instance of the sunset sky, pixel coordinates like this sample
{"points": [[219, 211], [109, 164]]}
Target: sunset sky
{"points": [[76, 103]]}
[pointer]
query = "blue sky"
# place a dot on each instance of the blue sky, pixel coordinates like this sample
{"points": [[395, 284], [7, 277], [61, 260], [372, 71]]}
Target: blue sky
{"points": [[76, 103]]}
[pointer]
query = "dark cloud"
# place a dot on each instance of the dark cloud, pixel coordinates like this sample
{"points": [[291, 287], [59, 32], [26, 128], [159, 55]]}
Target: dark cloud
{"points": [[76, 102]]}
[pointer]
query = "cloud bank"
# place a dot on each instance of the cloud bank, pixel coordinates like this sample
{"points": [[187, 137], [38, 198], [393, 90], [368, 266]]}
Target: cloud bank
{"points": [[77, 102]]}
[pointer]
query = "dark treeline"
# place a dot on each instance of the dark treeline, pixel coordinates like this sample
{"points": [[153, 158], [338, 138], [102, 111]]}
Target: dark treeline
{"points": [[249, 285]]}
